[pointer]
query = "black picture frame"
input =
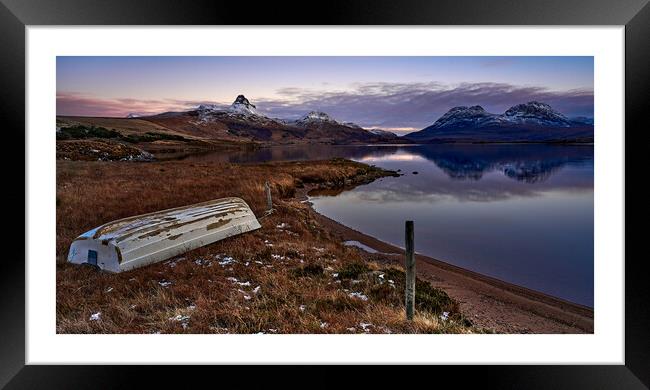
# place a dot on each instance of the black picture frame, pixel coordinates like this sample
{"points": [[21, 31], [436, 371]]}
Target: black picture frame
{"points": [[15, 15]]}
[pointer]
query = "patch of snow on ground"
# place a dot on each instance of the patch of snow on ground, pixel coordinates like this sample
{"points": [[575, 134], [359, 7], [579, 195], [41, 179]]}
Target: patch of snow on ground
{"points": [[227, 261], [358, 295], [444, 316], [302, 307], [234, 280], [184, 320], [365, 326], [165, 283], [207, 263], [96, 316]]}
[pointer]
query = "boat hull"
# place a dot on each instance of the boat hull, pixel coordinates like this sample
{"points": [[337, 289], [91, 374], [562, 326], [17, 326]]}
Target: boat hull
{"points": [[141, 240]]}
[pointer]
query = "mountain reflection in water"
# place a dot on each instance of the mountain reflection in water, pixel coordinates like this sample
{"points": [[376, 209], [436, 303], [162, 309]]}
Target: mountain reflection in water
{"points": [[525, 162], [528, 163], [519, 212]]}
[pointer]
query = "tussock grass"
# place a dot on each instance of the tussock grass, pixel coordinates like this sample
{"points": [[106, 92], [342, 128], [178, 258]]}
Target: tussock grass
{"points": [[290, 276], [353, 270]]}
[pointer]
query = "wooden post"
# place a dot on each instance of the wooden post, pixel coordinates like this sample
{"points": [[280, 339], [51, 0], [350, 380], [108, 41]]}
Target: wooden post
{"points": [[410, 271], [269, 201]]}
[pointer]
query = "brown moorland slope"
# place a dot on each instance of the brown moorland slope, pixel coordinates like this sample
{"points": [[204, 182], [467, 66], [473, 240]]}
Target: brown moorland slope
{"points": [[290, 276], [241, 122]]}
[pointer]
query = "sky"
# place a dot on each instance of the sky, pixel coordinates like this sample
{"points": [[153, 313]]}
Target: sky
{"points": [[401, 94]]}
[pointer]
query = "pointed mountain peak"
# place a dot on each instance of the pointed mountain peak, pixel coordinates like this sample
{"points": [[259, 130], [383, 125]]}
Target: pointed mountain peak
{"points": [[243, 106], [241, 99]]}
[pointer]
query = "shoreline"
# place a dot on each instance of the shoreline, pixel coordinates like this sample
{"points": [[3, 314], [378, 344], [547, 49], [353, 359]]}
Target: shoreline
{"points": [[488, 301], [292, 241]]}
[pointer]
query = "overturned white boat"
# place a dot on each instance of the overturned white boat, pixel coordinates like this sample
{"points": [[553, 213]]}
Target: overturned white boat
{"points": [[144, 239]]}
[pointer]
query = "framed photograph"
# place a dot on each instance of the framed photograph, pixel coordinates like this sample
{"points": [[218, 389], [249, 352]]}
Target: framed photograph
{"points": [[380, 186]]}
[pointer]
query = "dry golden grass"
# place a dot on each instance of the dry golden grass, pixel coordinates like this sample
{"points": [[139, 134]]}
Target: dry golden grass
{"points": [[281, 279]]}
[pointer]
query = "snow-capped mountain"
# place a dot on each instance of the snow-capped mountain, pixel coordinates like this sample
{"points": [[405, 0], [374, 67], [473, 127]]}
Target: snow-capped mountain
{"points": [[464, 117], [242, 121], [314, 118], [241, 109], [209, 107], [133, 115], [319, 118], [536, 113], [242, 106], [532, 121]]}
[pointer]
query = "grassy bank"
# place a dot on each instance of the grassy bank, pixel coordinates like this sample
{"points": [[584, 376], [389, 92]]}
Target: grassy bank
{"points": [[290, 276]]}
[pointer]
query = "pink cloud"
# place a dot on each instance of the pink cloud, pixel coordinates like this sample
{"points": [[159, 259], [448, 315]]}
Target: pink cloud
{"points": [[72, 103]]}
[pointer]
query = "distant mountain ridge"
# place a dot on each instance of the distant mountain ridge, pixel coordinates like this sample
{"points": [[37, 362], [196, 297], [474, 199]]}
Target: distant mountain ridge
{"points": [[242, 121], [528, 122]]}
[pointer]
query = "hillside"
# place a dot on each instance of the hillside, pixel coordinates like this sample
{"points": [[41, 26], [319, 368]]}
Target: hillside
{"points": [[241, 123]]}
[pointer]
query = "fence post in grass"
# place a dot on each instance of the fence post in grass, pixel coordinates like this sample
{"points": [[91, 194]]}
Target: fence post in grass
{"points": [[269, 201], [410, 271]]}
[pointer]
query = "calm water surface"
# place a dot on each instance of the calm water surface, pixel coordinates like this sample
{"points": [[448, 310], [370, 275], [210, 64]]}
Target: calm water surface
{"points": [[521, 213]]}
